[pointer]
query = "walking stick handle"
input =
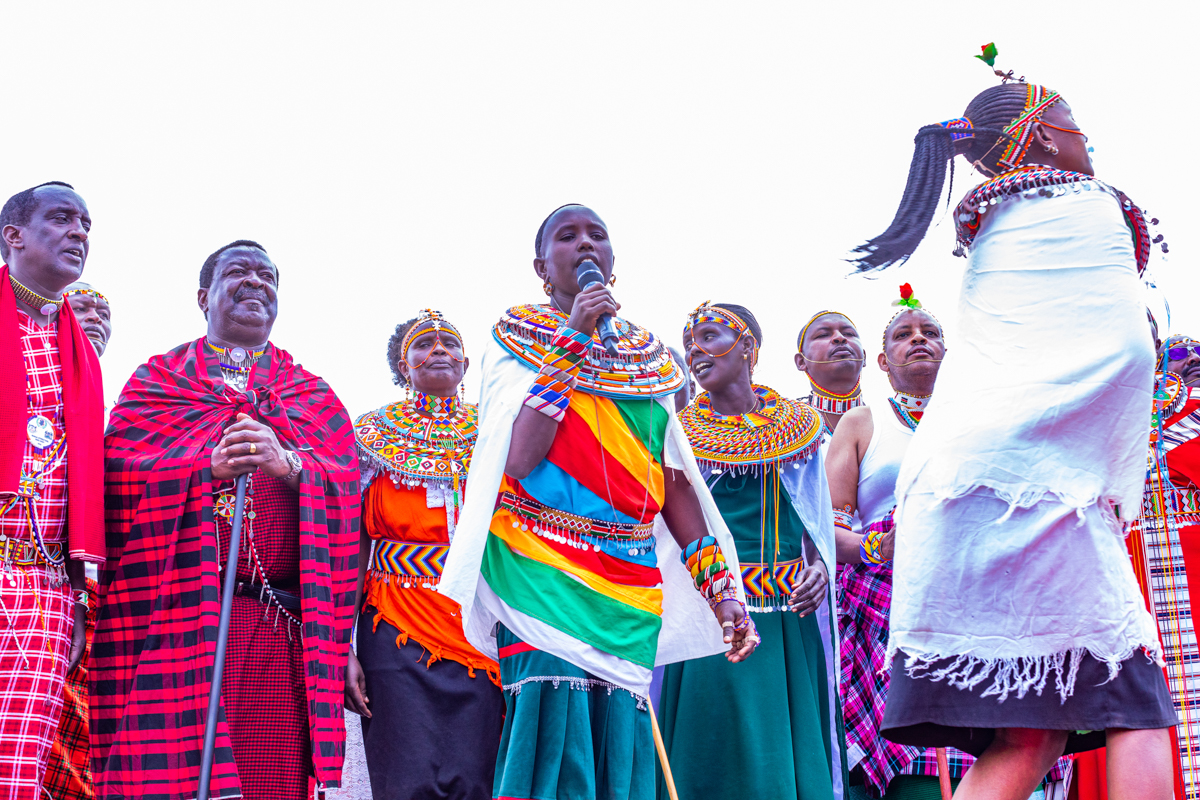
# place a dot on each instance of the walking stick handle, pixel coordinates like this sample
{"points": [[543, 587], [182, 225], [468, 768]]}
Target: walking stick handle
{"points": [[662, 754], [214, 693]]}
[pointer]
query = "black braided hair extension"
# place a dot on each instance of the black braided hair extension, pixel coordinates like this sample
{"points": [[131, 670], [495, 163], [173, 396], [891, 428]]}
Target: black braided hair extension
{"points": [[990, 112]]}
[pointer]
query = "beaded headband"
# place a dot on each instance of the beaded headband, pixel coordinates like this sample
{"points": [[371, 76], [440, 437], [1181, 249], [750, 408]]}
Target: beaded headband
{"points": [[1038, 100], [815, 317], [706, 312], [89, 292], [427, 320]]}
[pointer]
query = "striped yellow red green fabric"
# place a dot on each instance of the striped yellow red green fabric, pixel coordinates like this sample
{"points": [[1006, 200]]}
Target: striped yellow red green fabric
{"points": [[571, 544]]}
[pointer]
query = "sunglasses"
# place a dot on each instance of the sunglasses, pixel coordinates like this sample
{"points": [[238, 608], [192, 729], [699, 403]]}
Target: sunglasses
{"points": [[1179, 352]]}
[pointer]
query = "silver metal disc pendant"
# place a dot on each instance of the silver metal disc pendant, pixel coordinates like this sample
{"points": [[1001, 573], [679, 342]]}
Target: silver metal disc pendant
{"points": [[48, 309], [40, 431], [237, 355]]}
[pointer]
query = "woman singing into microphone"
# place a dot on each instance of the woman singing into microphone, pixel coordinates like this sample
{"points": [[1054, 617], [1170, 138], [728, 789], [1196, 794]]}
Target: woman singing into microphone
{"points": [[589, 546]]}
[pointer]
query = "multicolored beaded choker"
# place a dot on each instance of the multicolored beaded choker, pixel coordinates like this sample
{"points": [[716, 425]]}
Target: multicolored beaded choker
{"points": [[1037, 180], [824, 400], [909, 418], [779, 432], [643, 366], [434, 406], [44, 305], [914, 403]]}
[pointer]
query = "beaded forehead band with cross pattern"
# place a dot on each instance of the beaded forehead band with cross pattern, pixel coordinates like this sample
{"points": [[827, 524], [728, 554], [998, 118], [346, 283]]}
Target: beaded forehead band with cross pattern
{"points": [[706, 312], [88, 292], [428, 320]]}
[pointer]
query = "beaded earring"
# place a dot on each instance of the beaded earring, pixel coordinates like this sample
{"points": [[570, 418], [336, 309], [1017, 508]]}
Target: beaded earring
{"points": [[548, 288], [612, 281], [462, 393]]}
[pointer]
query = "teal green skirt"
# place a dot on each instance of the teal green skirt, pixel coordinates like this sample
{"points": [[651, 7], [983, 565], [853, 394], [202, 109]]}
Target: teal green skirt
{"points": [[761, 728], [567, 734]]}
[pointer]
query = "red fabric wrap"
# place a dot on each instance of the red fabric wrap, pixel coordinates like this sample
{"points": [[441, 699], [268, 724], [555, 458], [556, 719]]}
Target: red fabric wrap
{"points": [[153, 652], [83, 413]]}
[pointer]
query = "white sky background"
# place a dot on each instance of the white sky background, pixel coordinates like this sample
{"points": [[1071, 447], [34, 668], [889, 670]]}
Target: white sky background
{"points": [[398, 156]]}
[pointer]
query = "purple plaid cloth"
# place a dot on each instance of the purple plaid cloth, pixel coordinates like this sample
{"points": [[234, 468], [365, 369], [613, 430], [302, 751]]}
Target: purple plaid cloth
{"points": [[864, 603]]}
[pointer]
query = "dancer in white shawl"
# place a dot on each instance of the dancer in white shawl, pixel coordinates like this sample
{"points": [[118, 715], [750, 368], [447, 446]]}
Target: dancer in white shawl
{"points": [[1016, 619], [567, 558]]}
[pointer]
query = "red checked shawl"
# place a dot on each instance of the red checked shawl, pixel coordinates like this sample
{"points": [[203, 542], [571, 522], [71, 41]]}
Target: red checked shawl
{"points": [[153, 651]]}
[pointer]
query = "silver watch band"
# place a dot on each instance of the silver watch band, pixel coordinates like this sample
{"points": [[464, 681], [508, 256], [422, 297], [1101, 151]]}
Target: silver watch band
{"points": [[294, 459]]}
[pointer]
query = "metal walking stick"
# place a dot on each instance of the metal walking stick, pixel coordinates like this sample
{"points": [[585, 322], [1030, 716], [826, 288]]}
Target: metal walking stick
{"points": [[214, 694]]}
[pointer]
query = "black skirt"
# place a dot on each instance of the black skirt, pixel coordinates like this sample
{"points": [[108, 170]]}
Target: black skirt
{"points": [[926, 713], [434, 730]]}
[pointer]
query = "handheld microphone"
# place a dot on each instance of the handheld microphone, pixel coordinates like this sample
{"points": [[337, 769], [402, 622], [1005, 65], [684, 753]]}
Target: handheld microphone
{"points": [[587, 273]]}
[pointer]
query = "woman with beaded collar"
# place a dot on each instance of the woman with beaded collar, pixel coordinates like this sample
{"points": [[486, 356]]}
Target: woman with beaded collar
{"points": [[435, 710], [587, 533], [830, 353], [1025, 472], [761, 456]]}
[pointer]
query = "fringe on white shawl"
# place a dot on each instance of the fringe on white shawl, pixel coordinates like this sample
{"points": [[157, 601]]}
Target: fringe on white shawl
{"points": [[1016, 675], [579, 684]]}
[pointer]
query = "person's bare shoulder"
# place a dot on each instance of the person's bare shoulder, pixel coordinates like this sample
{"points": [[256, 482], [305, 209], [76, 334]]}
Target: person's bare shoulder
{"points": [[854, 430]]}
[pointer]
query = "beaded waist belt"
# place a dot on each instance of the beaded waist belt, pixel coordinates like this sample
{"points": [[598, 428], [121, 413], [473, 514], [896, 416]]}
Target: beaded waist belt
{"points": [[1184, 504], [412, 563], [547, 521], [24, 553], [764, 583]]}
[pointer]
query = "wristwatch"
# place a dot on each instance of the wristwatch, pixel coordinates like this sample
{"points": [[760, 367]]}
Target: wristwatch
{"points": [[293, 458]]}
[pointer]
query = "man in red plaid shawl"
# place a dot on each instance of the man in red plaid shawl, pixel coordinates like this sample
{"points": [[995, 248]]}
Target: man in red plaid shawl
{"points": [[187, 424], [51, 474]]}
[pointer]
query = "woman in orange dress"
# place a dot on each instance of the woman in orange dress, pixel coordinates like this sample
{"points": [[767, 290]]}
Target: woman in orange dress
{"points": [[431, 706]]}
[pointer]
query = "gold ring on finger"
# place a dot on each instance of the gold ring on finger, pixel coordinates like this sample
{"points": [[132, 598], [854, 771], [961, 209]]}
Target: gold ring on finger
{"points": [[253, 448]]}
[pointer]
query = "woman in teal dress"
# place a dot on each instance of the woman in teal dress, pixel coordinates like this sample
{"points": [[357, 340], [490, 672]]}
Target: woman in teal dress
{"points": [[778, 734]]}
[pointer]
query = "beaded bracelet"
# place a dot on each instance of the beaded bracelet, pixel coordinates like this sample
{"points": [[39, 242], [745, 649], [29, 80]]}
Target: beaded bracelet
{"points": [[552, 389], [710, 573], [81, 599], [843, 518], [871, 548]]}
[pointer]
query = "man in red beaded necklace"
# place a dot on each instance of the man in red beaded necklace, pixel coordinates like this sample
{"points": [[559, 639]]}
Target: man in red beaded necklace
{"points": [[188, 423], [51, 478]]}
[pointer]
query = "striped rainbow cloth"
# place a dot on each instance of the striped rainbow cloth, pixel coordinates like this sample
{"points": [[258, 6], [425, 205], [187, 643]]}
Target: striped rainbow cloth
{"points": [[571, 545]]}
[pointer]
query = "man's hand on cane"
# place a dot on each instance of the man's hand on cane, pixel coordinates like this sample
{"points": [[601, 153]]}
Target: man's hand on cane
{"points": [[248, 446]]}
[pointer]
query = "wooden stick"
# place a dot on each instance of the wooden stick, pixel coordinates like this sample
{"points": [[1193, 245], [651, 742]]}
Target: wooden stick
{"points": [[943, 762], [662, 754]]}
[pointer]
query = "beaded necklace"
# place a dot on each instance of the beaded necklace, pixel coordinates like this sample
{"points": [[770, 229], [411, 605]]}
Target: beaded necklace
{"points": [[914, 403], [236, 364], [434, 406], [1038, 180], [418, 450], [911, 419], [45, 305], [643, 366], [779, 431], [824, 400]]}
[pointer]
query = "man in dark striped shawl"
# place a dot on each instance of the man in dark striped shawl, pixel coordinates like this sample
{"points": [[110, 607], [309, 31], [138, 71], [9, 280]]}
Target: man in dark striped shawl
{"points": [[187, 424]]}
